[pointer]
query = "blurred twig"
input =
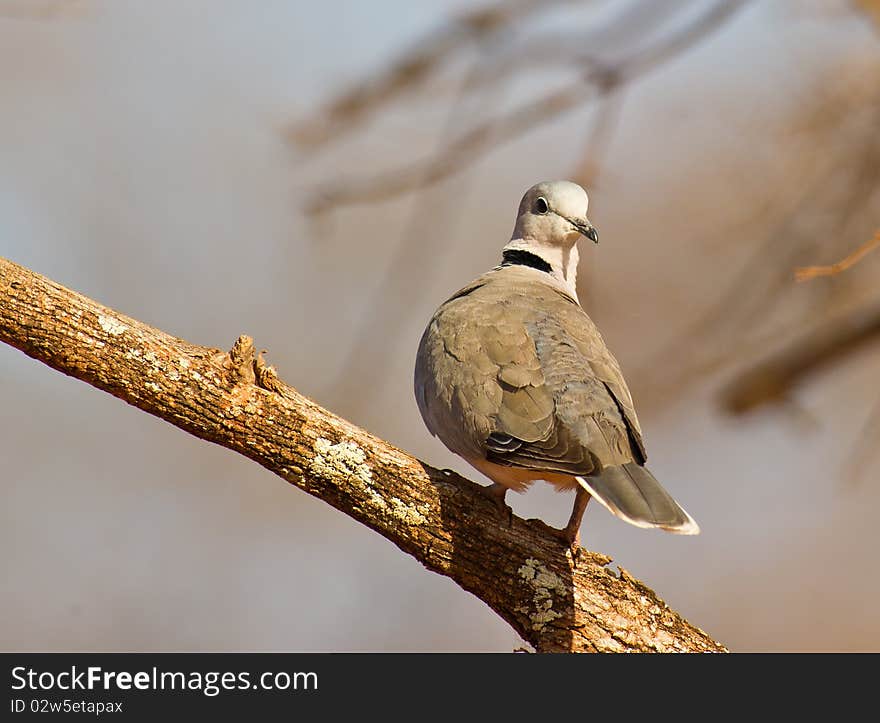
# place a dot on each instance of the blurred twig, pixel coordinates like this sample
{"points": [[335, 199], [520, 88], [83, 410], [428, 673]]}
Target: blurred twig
{"points": [[411, 71], [598, 139], [772, 380], [576, 47], [805, 273], [459, 153], [871, 8], [596, 77]]}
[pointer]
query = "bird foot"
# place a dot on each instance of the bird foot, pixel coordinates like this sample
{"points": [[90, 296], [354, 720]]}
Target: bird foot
{"points": [[571, 533], [571, 537]]}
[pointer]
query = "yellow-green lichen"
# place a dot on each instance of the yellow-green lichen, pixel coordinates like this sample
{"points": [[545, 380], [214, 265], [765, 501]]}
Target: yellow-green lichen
{"points": [[402, 512], [348, 461], [544, 584], [111, 326], [344, 459]]}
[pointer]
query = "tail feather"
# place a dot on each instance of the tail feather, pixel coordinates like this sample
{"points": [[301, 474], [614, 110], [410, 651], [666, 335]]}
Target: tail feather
{"points": [[632, 493]]}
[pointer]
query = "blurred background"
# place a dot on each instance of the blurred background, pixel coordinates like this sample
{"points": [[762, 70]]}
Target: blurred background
{"points": [[321, 176]]}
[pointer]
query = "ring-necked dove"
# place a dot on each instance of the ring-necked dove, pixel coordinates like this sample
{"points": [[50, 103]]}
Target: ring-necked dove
{"points": [[512, 375]]}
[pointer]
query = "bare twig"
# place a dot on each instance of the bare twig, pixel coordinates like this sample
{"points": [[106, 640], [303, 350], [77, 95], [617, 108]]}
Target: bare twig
{"points": [[555, 601], [805, 273]]}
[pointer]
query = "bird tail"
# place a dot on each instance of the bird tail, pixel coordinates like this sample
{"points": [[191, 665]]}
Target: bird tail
{"points": [[631, 492]]}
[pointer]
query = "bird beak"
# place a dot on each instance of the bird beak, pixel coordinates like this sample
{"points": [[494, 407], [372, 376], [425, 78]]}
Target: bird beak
{"points": [[587, 229]]}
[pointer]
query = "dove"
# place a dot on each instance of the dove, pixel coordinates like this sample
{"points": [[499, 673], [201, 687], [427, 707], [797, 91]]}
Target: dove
{"points": [[514, 377]]}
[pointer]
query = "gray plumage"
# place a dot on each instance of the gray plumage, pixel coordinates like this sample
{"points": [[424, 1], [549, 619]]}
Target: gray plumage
{"points": [[513, 375]]}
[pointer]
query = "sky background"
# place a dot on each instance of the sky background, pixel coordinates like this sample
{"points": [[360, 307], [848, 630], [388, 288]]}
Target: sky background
{"points": [[146, 161]]}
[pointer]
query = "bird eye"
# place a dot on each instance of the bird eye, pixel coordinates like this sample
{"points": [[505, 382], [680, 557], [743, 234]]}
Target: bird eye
{"points": [[541, 205]]}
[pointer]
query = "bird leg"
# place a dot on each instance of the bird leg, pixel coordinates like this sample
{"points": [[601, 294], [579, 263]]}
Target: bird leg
{"points": [[570, 534]]}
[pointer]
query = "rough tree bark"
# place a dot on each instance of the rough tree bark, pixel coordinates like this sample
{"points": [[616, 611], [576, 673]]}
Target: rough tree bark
{"points": [[553, 601]]}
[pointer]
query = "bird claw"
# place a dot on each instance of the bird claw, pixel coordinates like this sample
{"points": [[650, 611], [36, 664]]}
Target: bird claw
{"points": [[570, 537]]}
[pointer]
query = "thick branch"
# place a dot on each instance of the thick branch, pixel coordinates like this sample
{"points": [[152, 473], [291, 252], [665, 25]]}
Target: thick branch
{"points": [[231, 398]]}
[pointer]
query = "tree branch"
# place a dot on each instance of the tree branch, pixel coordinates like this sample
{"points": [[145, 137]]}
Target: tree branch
{"points": [[233, 399]]}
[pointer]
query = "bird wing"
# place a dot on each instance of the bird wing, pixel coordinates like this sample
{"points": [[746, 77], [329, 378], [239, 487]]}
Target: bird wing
{"points": [[512, 370], [477, 374], [583, 332]]}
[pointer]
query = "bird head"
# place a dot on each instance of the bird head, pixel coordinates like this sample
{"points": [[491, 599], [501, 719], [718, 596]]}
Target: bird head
{"points": [[554, 213]]}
